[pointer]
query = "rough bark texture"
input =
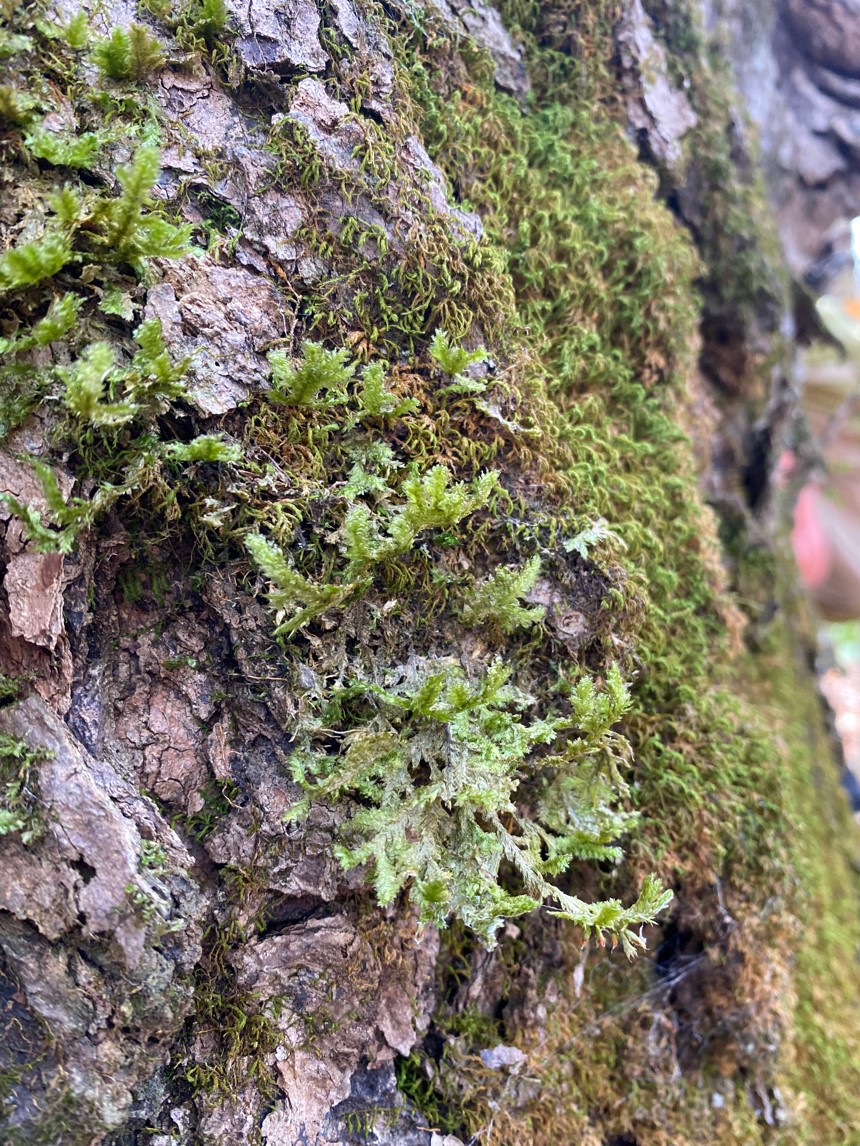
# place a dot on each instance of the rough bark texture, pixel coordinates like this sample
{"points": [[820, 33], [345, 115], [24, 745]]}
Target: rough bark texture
{"points": [[577, 188]]}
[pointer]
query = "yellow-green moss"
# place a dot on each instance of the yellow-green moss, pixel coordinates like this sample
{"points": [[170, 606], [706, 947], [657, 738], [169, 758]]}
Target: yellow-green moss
{"points": [[822, 1061]]}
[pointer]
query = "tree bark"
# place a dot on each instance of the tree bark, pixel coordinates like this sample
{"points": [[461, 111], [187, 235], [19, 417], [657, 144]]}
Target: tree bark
{"points": [[574, 190]]}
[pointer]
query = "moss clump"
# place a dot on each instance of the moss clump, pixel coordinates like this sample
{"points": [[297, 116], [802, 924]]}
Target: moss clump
{"points": [[497, 599], [131, 55], [449, 833], [19, 789], [467, 736]]}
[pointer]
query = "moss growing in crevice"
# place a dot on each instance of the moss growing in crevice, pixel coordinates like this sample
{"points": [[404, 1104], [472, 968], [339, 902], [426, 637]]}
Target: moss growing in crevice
{"points": [[19, 789]]}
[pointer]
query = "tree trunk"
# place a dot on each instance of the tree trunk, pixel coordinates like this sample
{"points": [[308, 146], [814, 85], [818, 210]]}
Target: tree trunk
{"points": [[397, 599]]}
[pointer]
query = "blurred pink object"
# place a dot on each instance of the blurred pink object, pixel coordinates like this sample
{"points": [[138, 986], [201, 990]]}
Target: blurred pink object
{"points": [[812, 549], [826, 533]]}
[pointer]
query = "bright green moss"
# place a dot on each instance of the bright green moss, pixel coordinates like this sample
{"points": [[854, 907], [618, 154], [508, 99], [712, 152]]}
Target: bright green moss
{"points": [[495, 600], [447, 836], [603, 283], [204, 21], [131, 55], [19, 789], [603, 280]]}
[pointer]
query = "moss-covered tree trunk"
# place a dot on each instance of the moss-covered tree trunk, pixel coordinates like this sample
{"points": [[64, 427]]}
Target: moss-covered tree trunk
{"points": [[375, 661]]}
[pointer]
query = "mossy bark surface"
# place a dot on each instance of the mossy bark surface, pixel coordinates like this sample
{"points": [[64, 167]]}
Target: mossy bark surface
{"points": [[397, 598]]}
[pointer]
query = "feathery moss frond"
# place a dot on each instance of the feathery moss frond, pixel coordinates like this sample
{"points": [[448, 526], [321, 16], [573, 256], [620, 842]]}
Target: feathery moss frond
{"points": [[496, 599], [319, 370], [131, 55], [31, 263], [453, 359], [437, 763]]}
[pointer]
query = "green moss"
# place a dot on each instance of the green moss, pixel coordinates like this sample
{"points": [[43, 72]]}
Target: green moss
{"points": [[10, 689], [448, 835], [823, 1059], [20, 810], [131, 55], [496, 599], [218, 797], [710, 782], [242, 1035], [416, 1081], [60, 1121], [204, 21]]}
